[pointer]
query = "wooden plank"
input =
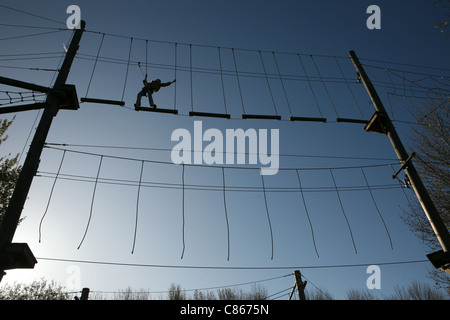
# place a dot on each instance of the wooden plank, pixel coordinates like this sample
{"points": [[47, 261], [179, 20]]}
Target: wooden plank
{"points": [[161, 110], [352, 120], [209, 114], [103, 101], [261, 116], [307, 119]]}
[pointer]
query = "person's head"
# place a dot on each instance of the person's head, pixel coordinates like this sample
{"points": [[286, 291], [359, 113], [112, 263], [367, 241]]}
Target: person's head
{"points": [[158, 80]]}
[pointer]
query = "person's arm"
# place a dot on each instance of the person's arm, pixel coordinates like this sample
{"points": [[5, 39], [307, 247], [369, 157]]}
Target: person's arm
{"points": [[166, 84], [145, 81]]}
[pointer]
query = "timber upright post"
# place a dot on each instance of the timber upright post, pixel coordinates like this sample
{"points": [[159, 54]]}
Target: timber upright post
{"points": [[381, 123], [300, 285], [61, 96]]}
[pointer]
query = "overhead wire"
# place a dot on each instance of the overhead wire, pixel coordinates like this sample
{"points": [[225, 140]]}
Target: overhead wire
{"points": [[382, 263], [219, 152], [32, 14], [209, 166], [203, 187]]}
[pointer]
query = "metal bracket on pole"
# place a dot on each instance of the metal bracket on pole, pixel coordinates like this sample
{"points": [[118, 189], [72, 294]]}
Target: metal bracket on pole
{"points": [[404, 165]]}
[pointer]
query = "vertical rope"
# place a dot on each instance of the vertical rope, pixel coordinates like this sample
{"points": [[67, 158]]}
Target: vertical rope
{"points": [[307, 214], [184, 244], [376, 207], [51, 194], [282, 83], [92, 201], [221, 77], [226, 213], [146, 57], [409, 202], [349, 89], [137, 206], [267, 212], [192, 84], [128, 67], [95, 64], [309, 83], [175, 77], [237, 77], [324, 86], [268, 83], [343, 211]]}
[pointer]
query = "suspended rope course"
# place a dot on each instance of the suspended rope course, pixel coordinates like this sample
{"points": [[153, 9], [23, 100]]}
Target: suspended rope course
{"points": [[224, 187], [295, 75]]}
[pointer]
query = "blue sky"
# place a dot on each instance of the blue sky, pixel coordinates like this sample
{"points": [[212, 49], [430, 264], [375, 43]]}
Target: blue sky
{"points": [[323, 32]]}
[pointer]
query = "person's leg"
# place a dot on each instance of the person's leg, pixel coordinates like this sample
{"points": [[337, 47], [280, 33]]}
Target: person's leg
{"points": [[150, 99], [139, 97]]}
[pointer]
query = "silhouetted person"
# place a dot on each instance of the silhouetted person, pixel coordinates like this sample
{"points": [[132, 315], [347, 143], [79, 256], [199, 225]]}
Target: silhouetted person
{"points": [[149, 89]]}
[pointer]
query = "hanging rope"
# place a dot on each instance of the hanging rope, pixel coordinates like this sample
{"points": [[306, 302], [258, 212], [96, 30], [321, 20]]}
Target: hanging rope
{"points": [[51, 194], [268, 83], [92, 202], [307, 214], [226, 213], [137, 206], [221, 78], [182, 211], [349, 89], [282, 83], [95, 64], [128, 67], [310, 86], [175, 77], [401, 183], [267, 212], [376, 207], [239, 84], [324, 86], [343, 211], [146, 57], [190, 72]]}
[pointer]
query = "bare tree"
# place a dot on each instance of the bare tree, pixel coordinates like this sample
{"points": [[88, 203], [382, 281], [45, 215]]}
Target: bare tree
{"points": [[431, 143], [417, 291], [176, 292], [130, 294], [318, 294], [9, 171], [37, 290], [355, 294]]}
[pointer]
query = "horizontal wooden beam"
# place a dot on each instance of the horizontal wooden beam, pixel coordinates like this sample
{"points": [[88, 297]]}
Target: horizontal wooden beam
{"points": [[209, 114], [161, 110], [103, 101], [352, 120], [261, 116], [307, 119], [23, 107]]}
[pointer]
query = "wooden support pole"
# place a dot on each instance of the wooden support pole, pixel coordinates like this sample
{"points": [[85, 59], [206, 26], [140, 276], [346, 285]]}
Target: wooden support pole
{"points": [[30, 166], [300, 285], [382, 123], [84, 294]]}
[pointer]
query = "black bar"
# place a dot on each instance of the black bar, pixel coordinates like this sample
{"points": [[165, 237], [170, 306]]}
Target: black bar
{"points": [[156, 110], [209, 114], [352, 120], [24, 85], [23, 107], [103, 101], [260, 116], [307, 119]]}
